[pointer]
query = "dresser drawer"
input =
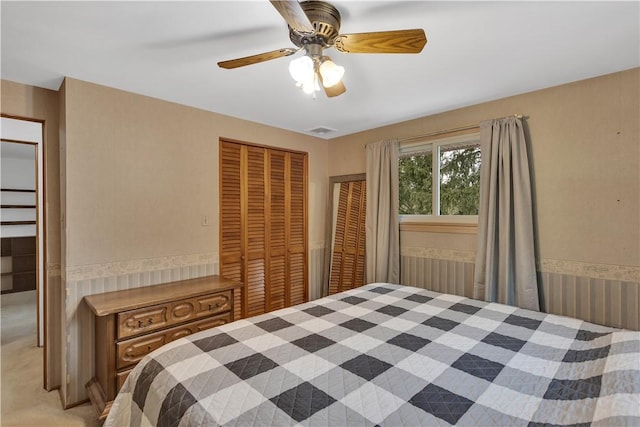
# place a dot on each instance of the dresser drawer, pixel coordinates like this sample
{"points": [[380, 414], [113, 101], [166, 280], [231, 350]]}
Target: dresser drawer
{"points": [[121, 378], [144, 320], [131, 351]]}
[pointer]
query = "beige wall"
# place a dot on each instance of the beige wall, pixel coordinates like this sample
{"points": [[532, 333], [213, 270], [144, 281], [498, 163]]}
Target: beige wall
{"points": [[141, 173], [35, 103], [585, 154]]}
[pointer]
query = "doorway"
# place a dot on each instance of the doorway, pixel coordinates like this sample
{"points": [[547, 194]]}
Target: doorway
{"points": [[22, 208]]}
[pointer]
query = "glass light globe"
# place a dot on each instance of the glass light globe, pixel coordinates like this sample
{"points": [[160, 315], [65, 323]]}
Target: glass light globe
{"points": [[301, 69], [331, 73]]}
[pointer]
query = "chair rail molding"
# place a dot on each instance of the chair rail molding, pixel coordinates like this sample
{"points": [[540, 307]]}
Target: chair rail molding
{"points": [[94, 271]]}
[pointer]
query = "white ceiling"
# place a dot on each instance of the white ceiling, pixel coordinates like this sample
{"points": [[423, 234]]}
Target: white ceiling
{"points": [[476, 51]]}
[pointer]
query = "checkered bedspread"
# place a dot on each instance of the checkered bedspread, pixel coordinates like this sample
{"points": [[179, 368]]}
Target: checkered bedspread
{"points": [[390, 355]]}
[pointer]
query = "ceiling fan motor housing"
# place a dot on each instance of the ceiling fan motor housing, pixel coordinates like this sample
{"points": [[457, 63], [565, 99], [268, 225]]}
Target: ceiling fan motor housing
{"points": [[324, 18]]}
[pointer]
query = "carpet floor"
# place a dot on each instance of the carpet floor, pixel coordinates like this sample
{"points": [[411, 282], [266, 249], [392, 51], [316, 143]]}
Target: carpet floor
{"points": [[24, 402]]}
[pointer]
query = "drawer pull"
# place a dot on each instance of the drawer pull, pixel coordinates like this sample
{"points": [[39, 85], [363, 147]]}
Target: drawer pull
{"points": [[142, 325], [218, 304]]}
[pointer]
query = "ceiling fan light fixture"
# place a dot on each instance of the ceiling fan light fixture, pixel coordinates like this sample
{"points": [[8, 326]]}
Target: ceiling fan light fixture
{"points": [[314, 25], [331, 73]]}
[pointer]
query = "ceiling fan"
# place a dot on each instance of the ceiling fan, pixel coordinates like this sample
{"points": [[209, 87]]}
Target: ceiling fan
{"points": [[314, 26]]}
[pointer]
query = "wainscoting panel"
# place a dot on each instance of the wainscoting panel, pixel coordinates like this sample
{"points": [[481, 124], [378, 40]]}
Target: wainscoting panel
{"points": [[607, 302], [53, 328], [316, 266], [439, 275], [607, 295]]}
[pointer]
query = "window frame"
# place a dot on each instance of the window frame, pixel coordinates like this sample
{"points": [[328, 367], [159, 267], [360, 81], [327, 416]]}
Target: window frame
{"points": [[435, 221]]}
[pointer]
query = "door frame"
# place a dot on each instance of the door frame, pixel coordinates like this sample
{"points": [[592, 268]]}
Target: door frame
{"points": [[41, 237]]}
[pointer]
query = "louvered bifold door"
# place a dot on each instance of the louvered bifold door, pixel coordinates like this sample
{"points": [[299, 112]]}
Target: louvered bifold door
{"points": [[276, 232], [254, 243], [348, 256], [296, 217], [231, 228], [263, 226]]}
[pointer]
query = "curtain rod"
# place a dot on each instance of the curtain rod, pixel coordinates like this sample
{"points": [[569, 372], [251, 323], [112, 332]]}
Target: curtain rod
{"points": [[440, 132]]}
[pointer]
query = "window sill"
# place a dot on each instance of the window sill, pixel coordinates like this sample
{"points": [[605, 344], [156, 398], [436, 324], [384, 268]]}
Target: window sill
{"points": [[439, 227]]}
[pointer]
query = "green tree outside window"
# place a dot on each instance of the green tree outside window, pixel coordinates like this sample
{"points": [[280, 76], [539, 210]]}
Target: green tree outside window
{"points": [[459, 186]]}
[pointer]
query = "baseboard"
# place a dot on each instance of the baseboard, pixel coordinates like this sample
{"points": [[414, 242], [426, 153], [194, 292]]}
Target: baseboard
{"points": [[74, 404]]}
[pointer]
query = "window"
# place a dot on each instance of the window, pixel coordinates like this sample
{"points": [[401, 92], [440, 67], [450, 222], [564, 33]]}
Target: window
{"points": [[440, 178]]}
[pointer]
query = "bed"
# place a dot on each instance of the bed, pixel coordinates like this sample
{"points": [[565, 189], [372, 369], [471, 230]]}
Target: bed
{"points": [[393, 355]]}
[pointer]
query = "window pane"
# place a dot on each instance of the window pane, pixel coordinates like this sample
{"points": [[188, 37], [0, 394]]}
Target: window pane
{"points": [[459, 181], [414, 183]]}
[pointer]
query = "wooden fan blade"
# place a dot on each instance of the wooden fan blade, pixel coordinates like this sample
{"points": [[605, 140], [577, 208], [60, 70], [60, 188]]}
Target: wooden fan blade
{"points": [[293, 14], [401, 41], [254, 59], [335, 90]]}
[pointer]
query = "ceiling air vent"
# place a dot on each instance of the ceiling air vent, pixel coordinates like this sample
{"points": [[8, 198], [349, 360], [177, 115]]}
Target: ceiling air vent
{"points": [[321, 130]]}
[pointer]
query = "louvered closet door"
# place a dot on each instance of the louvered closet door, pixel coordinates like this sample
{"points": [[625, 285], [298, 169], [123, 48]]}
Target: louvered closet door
{"points": [[263, 225], [255, 231], [347, 264], [297, 220], [276, 229], [242, 224], [231, 228]]}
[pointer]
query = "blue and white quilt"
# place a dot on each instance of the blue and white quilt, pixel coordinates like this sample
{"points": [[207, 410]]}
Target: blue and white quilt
{"points": [[390, 355]]}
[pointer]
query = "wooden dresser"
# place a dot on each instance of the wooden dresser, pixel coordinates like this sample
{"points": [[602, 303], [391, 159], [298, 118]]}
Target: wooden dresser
{"points": [[131, 323]]}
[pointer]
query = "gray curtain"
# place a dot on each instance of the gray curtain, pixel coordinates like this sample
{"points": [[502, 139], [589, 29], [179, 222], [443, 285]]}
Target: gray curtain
{"points": [[505, 269], [382, 229]]}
